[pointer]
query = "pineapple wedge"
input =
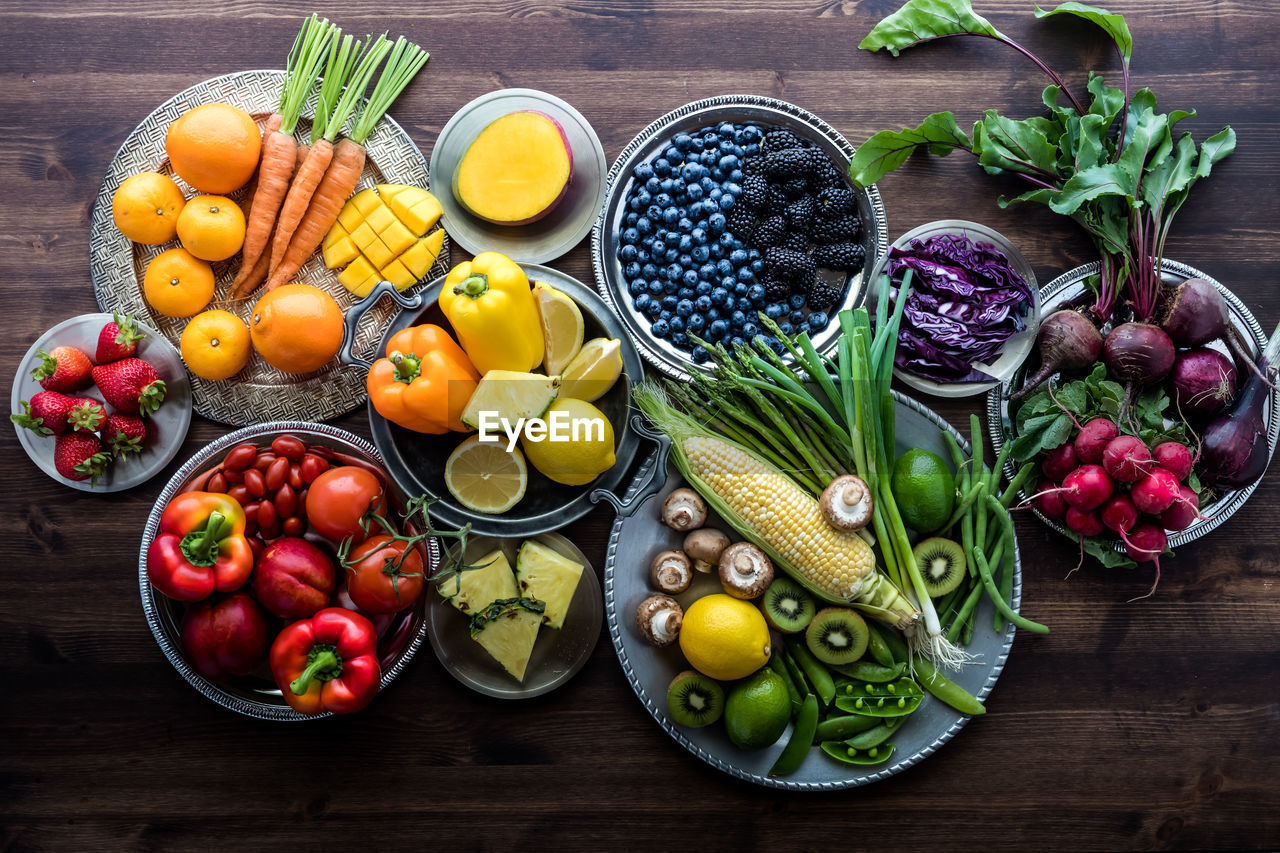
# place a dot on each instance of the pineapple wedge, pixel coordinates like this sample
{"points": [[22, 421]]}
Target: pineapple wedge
{"points": [[508, 630], [549, 577], [474, 590]]}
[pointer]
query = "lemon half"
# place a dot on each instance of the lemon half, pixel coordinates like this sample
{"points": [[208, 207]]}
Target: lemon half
{"points": [[485, 477]]}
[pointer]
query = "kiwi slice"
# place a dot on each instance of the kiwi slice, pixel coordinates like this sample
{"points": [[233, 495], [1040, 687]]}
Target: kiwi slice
{"points": [[787, 607], [837, 636], [695, 700], [942, 565]]}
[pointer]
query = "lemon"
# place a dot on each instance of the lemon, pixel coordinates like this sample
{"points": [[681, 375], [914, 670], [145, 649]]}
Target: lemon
{"points": [[485, 477], [562, 328], [724, 638], [592, 373], [757, 710], [510, 396], [577, 445], [923, 489]]}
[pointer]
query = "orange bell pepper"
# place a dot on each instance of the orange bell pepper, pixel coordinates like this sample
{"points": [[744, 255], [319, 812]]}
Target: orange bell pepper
{"points": [[424, 382]]}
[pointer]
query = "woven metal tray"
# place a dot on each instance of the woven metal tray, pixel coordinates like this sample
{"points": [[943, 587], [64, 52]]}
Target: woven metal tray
{"points": [[259, 393]]}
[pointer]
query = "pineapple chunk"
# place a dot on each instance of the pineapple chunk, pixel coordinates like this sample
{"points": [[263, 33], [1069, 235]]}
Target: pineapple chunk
{"points": [[508, 630], [549, 577], [475, 589]]}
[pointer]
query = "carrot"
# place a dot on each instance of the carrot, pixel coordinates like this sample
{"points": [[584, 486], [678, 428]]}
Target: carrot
{"points": [[275, 168], [340, 180], [303, 150]]}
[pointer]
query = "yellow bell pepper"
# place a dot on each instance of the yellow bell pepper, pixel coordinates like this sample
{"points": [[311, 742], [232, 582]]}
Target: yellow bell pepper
{"points": [[424, 382], [489, 303]]}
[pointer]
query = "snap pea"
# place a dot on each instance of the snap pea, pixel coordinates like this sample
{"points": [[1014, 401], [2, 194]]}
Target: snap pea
{"points": [[793, 692], [877, 646], [1003, 606], [864, 670], [876, 736], [797, 677], [801, 739], [846, 725], [942, 688], [817, 674], [849, 755], [895, 699]]}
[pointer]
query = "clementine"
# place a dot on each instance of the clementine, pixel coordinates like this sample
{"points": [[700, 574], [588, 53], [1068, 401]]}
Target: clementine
{"points": [[215, 345], [297, 328], [146, 206], [211, 227], [177, 283], [214, 147]]}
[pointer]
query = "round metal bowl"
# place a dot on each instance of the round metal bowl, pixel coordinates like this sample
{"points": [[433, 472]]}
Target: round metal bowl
{"points": [[416, 461], [256, 695], [1015, 350], [662, 354], [1071, 285]]}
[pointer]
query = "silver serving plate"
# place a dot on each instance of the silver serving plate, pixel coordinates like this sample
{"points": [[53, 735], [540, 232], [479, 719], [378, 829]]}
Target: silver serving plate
{"points": [[636, 538], [259, 393], [256, 695], [1070, 285], [662, 354]]}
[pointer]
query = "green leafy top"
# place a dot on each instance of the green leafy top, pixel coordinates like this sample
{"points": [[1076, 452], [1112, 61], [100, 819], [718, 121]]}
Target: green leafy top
{"points": [[920, 21]]}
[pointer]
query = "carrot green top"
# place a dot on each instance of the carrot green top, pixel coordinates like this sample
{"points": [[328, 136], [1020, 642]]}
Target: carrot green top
{"points": [[309, 49], [405, 61]]}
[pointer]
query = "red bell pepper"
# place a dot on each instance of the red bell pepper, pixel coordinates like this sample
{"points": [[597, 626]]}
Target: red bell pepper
{"points": [[327, 663], [201, 547]]}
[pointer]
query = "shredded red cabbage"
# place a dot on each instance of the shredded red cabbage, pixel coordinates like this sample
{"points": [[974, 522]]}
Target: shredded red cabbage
{"points": [[966, 301]]}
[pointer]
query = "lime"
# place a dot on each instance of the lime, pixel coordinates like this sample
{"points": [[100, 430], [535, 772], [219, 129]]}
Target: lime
{"points": [[576, 446], [484, 477], [724, 637], [757, 710], [923, 489], [593, 371], [505, 395], [562, 327]]}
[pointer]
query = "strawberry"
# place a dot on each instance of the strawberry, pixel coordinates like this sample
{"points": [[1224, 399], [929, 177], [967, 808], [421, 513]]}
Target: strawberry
{"points": [[54, 413], [118, 339], [62, 369], [79, 456], [123, 434], [130, 385]]}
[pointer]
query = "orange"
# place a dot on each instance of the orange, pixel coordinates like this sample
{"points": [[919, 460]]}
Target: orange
{"points": [[214, 147], [177, 283], [297, 328], [211, 227], [145, 208], [215, 345]]}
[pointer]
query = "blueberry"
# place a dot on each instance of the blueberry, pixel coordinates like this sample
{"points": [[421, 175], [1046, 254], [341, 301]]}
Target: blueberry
{"points": [[671, 215], [751, 150], [627, 252], [699, 235], [637, 286], [631, 270], [685, 243], [689, 277], [671, 272], [717, 222], [718, 328], [717, 174], [682, 141], [696, 143], [671, 288], [708, 185], [805, 328], [658, 247], [678, 337], [684, 259], [703, 288], [796, 317], [643, 256], [724, 267], [643, 172], [728, 240], [664, 315], [744, 305], [684, 307], [728, 163], [709, 157], [773, 311], [695, 323], [692, 171], [720, 296], [818, 320], [654, 212], [710, 137], [737, 318], [700, 254], [660, 328], [630, 235], [785, 328], [726, 146], [645, 196], [663, 200], [756, 293], [796, 301], [656, 287], [727, 201], [707, 272], [750, 330], [740, 289], [717, 251], [654, 308], [694, 192], [661, 167], [715, 195], [677, 323], [703, 303], [726, 128], [673, 155], [670, 302], [736, 176], [713, 314], [641, 302], [757, 266], [754, 254], [678, 187], [671, 255], [644, 225], [745, 275], [752, 133], [733, 189], [738, 257], [649, 270], [737, 341], [700, 355]]}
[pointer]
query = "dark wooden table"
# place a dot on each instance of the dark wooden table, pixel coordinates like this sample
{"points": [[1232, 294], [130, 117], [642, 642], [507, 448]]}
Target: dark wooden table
{"points": [[1134, 725]]}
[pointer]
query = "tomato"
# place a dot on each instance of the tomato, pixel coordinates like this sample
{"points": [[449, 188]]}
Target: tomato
{"points": [[382, 577], [338, 498]]}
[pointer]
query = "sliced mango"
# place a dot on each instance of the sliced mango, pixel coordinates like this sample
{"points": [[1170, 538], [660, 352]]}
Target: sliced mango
{"points": [[385, 233]]}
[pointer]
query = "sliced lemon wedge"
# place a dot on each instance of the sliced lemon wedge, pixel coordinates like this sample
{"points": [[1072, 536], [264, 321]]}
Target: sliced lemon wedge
{"points": [[592, 373], [562, 327]]}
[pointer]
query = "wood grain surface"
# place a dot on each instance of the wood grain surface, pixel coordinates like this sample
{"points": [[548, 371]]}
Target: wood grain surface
{"points": [[1145, 725]]}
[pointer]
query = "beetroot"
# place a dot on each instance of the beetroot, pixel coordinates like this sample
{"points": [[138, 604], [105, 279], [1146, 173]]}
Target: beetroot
{"points": [[1138, 353], [1048, 500], [1154, 492], [1087, 487], [1203, 382], [1059, 462], [1119, 513], [1197, 315], [1067, 340], [1184, 510], [1083, 523], [1093, 438], [1127, 459], [1175, 457]]}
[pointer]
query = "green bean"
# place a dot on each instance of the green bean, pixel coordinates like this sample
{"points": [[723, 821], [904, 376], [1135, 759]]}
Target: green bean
{"points": [[1009, 543], [998, 468], [841, 727], [849, 755], [966, 609], [1015, 485], [966, 634], [954, 451], [966, 502], [873, 672], [801, 739], [878, 648], [947, 604], [817, 674], [776, 664], [876, 736], [984, 571]]}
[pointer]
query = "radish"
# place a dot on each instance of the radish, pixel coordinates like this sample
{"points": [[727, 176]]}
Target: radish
{"points": [[1083, 523], [1127, 459], [1119, 513], [1197, 315], [1155, 492], [1182, 512], [1048, 499], [1059, 462], [1203, 382], [1175, 457], [1067, 340], [1145, 543], [1093, 438], [1087, 487]]}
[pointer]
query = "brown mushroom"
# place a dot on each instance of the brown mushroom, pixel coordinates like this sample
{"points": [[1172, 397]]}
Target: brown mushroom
{"points": [[847, 503], [671, 572], [684, 509], [658, 617], [705, 546], [745, 571]]}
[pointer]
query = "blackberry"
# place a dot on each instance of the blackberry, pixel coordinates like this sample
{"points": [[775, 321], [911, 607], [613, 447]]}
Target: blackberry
{"points": [[780, 140], [741, 221], [795, 188], [796, 267], [834, 201], [776, 202], [787, 164], [823, 295], [799, 214], [827, 175], [776, 289], [848, 257], [839, 230], [770, 232], [797, 241], [755, 191], [753, 166]]}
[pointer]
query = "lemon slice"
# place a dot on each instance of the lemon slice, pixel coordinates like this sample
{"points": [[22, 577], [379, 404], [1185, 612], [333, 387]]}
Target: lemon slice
{"points": [[562, 329], [506, 395], [592, 373], [485, 477]]}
